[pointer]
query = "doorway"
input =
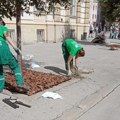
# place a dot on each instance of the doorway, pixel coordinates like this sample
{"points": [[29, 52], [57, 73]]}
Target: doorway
{"points": [[40, 35]]}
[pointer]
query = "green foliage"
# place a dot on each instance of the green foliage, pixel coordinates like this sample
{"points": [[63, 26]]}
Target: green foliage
{"points": [[110, 9], [8, 7]]}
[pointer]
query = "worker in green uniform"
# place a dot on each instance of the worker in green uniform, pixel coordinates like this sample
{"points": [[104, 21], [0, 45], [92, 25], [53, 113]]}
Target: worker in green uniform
{"points": [[70, 49], [7, 58]]}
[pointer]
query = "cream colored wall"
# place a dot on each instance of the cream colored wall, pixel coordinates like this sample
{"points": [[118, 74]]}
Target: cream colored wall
{"points": [[29, 32], [80, 30], [29, 35], [50, 33], [60, 32], [53, 33], [12, 26], [54, 29]]}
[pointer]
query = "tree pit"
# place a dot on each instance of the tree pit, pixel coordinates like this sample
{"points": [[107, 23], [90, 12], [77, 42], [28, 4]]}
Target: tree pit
{"points": [[36, 81]]}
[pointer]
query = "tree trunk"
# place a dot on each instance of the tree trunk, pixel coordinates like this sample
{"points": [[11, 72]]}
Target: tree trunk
{"points": [[18, 31]]}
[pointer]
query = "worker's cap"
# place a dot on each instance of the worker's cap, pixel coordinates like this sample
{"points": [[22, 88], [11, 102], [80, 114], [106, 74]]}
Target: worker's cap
{"points": [[2, 21]]}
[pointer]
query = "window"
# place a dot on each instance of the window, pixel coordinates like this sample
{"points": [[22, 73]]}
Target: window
{"points": [[73, 8], [40, 35], [11, 32], [72, 33]]}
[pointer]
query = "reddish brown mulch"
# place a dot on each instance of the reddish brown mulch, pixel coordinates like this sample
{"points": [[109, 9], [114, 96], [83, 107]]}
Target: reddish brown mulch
{"points": [[37, 81]]}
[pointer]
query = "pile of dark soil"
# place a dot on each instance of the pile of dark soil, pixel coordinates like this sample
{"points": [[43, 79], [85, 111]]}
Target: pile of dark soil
{"points": [[36, 81]]}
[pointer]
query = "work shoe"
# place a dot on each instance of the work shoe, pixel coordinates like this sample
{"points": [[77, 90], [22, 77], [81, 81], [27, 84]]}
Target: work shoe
{"points": [[23, 87]]}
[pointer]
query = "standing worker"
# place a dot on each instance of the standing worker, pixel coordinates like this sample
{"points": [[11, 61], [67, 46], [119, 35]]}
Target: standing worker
{"points": [[7, 58], [70, 49]]}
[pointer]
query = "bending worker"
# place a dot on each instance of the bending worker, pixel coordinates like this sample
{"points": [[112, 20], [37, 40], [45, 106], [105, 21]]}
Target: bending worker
{"points": [[7, 58], [71, 49]]}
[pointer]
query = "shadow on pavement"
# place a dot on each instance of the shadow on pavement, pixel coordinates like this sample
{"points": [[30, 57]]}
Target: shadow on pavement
{"points": [[90, 43], [85, 42], [56, 69]]}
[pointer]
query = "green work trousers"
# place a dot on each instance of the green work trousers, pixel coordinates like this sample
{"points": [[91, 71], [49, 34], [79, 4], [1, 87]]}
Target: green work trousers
{"points": [[66, 55], [14, 66]]}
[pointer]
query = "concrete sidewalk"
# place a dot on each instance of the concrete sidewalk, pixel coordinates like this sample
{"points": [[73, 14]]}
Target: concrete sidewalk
{"points": [[78, 95]]}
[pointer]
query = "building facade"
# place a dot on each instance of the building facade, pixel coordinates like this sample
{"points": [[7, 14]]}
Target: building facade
{"points": [[53, 27], [93, 11]]}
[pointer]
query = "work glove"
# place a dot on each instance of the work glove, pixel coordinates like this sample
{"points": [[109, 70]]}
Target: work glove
{"points": [[69, 73], [76, 67], [17, 50]]}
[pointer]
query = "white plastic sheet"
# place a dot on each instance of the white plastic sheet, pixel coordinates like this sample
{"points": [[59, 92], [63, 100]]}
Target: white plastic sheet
{"points": [[34, 65], [28, 61], [52, 95]]}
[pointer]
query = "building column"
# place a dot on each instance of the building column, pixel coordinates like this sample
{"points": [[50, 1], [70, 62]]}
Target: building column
{"points": [[67, 15], [57, 19], [78, 18], [57, 13], [46, 33], [87, 15], [78, 13], [54, 33]]}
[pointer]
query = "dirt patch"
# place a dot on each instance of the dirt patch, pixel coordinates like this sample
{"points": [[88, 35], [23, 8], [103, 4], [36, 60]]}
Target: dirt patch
{"points": [[79, 73], [36, 81]]}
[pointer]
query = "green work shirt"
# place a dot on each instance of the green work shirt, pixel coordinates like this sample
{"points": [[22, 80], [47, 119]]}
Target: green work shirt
{"points": [[72, 46], [5, 54], [3, 29]]}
